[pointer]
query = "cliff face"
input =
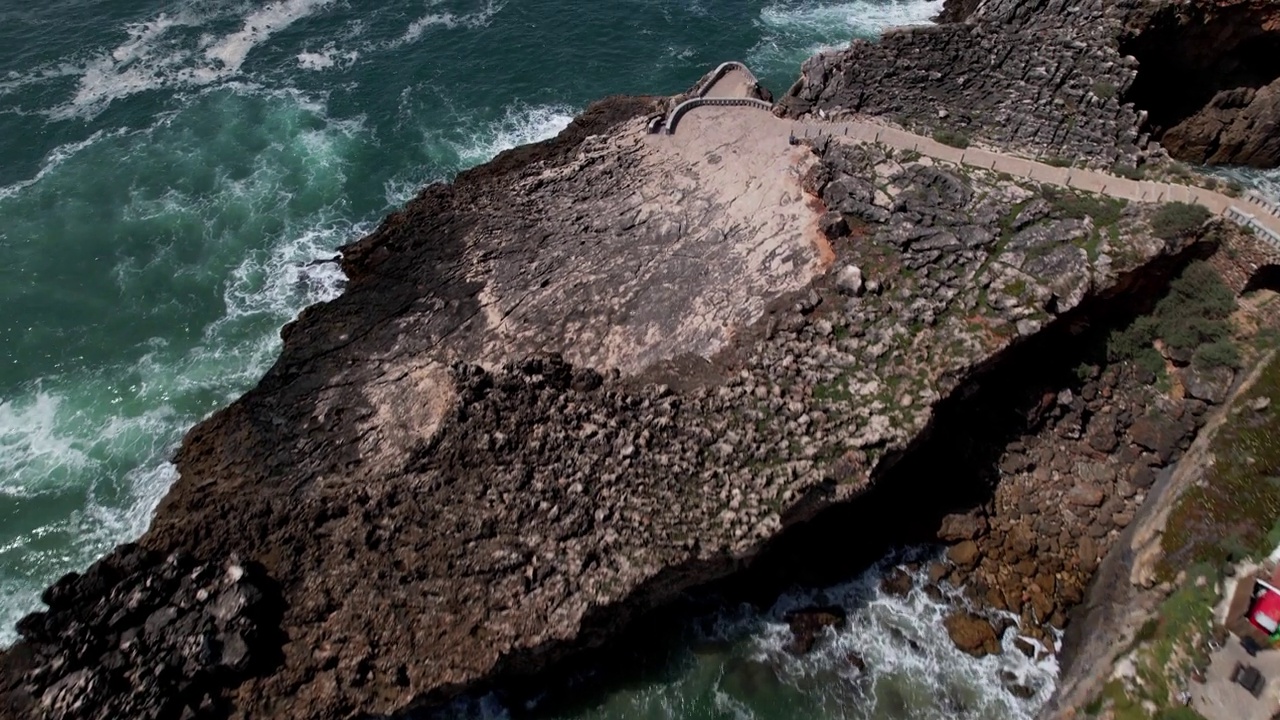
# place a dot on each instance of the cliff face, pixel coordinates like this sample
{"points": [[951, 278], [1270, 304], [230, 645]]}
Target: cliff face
{"points": [[1093, 80]]}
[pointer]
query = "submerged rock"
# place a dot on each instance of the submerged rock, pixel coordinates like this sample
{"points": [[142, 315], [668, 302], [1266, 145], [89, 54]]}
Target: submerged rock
{"points": [[808, 624]]}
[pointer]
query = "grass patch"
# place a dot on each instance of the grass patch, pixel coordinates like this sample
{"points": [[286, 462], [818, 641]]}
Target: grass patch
{"points": [[834, 391], [1061, 162], [1129, 171], [1104, 211], [1104, 89], [1178, 219], [1166, 652], [1235, 511], [954, 138], [909, 156]]}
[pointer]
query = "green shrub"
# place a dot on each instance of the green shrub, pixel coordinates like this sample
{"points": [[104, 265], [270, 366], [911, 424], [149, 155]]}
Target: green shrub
{"points": [[1178, 219], [1128, 343], [1199, 290], [1061, 162], [1233, 188], [1221, 353], [954, 138], [1129, 171], [1104, 89], [1105, 211]]}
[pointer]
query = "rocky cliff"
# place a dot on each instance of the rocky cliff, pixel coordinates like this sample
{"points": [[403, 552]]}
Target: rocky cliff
{"points": [[604, 370], [1091, 81]]}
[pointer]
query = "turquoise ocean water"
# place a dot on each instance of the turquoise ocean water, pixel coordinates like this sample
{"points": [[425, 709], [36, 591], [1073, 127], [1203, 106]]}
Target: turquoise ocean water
{"points": [[169, 171]]}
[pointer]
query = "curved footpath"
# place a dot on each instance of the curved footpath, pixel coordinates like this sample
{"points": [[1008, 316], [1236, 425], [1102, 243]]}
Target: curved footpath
{"points": [[1251, 211]]}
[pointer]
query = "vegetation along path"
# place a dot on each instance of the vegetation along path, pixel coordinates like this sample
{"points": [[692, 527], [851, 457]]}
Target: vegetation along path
{"points": [[732, 84]]}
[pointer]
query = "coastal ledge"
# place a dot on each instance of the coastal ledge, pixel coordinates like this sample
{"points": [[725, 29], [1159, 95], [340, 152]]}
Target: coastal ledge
{"points": [[411, 503], [586, 378]]}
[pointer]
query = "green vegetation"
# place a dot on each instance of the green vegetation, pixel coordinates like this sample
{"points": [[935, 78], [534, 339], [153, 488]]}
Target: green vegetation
{"points": [[954, 138], [835, 391], [1061, 162], [1233, 188], [1166, 652], [909, 156], [1129, 171], [1222, 353], [1178, 219], [1193, 318], [1104, 89], [1104, 211], [1234, 512]]}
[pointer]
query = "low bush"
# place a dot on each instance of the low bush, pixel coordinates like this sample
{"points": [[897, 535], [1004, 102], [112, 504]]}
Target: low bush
{"points": [[1104, 89], [1221, 353], [954, 138], [1178, 219], [1192, 317], [1129, 171]]}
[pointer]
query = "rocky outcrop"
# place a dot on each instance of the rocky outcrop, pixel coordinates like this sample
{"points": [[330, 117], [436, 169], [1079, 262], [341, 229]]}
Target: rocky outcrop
{"points": [[173, 632], [1208, 78], [408, 476], [1068, 489], [1049, 80], [1089, 82], [1238, 127]]}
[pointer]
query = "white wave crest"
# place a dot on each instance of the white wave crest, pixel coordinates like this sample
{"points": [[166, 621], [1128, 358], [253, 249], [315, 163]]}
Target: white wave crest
{"points": [[1264, 182], [520, 125], [155, 56], [861, 18], [327, 58], [34, 444], [791, 32], [230, 52], [448, 20]]}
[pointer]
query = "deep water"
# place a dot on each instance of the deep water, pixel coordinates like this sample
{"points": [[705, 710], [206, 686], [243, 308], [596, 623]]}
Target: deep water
{"points": [[169, 171]]}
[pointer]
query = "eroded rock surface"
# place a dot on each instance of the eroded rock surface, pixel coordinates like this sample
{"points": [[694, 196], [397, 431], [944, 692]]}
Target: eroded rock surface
{"points": [[438, 507], [1088, 81]]}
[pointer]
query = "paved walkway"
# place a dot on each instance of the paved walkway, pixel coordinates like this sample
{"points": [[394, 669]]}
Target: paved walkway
{"points": [[733, 80], [1218, 698], [1251, 210]]}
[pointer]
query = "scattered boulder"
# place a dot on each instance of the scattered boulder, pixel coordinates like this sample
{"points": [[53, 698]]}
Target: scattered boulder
{"points": [[972, 633], [897, 582], [1086, 495], [849, 280], [1209, 384], [964, 555], [956, 528]]}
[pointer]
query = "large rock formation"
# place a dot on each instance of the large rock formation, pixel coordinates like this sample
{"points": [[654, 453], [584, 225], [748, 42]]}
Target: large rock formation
{"points": [[1087, 81], [598, 372], [435, 510]]}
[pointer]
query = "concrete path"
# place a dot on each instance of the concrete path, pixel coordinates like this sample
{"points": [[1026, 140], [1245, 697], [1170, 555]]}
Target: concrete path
{"points": [[1252, 210], [733, 81], [1220, 699]]}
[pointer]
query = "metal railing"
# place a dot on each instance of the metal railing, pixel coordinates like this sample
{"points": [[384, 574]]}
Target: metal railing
{"points": [[692, 103], [1249, 220]]}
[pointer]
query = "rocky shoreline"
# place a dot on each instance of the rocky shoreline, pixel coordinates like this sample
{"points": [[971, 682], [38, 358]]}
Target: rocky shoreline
{"points": [[605, 371]]}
